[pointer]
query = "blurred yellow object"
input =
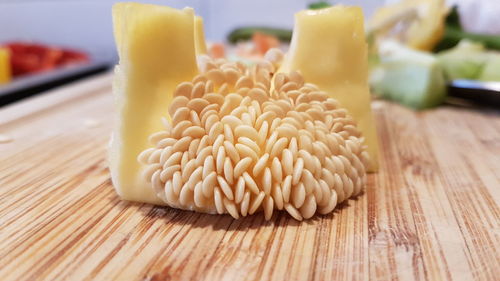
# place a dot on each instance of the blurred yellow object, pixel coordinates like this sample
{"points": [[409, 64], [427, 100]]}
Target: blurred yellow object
{"points": [[419, 24], [328, 47], [5, 73]]}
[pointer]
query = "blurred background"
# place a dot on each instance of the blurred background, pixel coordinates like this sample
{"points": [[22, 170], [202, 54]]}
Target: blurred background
{"points": [[79, 32], [86, 24]]}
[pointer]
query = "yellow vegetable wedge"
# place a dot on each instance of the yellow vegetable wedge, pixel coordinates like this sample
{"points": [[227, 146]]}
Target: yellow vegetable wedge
{"points": [[328, 47], [156, 46]]}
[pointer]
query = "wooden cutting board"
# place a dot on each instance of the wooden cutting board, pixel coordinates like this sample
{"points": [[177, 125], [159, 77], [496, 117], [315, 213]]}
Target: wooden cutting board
{"points": [[431, 213]]}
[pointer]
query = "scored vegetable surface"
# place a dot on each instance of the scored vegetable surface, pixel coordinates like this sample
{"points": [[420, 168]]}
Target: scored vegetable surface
{"points": [[223, 137]]}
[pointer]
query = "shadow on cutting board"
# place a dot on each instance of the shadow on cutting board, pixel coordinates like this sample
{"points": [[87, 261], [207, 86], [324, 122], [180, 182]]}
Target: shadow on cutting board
{"points": [[226, 222]]}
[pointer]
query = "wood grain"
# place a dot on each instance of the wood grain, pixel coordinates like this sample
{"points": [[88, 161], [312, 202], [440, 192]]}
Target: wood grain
{"points": [[431, 213]]}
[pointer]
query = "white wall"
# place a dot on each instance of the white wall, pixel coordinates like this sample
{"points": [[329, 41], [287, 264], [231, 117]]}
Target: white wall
{"points": [[87, 23]]}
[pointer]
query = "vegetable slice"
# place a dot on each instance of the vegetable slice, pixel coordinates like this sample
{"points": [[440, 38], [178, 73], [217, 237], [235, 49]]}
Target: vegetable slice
{"points": [[150, 68], [329, 49]]}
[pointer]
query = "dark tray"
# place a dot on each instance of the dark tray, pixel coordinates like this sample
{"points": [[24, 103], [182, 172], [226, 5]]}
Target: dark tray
{"points": [[30, 85]]}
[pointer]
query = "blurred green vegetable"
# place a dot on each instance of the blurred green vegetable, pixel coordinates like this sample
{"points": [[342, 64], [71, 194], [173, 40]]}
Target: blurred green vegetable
{"points": [[373, 56], [284, 35], [491, 70], [410, 77], [246, 33], [318, 5], [470, 60], [454, 33], [464, 61]]}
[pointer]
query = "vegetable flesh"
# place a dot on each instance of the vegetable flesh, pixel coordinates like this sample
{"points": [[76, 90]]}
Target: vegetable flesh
{"points": [[199, 36], [150, 68], [329, 49]]}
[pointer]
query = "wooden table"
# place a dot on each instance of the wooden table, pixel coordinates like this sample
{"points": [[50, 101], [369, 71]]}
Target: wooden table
{"points": [[431, 213]]}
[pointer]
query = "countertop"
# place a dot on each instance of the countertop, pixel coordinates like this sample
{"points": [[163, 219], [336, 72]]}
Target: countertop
{"points": [[430, 213]]}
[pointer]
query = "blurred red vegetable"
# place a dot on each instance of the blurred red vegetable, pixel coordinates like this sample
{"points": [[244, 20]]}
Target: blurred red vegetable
{"points": [[29, 58], [217, 50], [263, 42]]}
